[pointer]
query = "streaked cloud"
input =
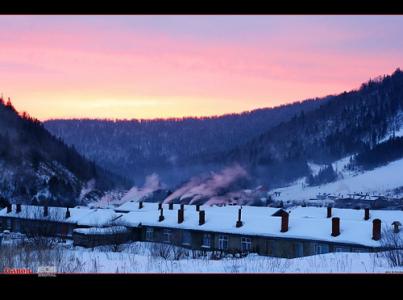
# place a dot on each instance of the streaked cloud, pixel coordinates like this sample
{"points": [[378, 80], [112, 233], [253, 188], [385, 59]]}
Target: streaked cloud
{"points": [[170, 66]]}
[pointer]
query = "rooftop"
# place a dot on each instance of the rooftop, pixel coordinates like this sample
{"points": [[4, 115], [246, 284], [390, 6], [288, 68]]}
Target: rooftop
{"points": [[305, 223]]}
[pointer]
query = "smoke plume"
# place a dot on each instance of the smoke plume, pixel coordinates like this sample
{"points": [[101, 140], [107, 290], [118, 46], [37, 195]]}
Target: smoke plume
{"points": [[217, 184]]}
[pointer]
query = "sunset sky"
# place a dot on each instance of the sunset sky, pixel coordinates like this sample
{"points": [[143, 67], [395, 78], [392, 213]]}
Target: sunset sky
{"points": [[174, 66]]}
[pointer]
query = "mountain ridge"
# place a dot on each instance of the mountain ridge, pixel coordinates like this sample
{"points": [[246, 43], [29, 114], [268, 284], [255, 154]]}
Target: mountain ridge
{"points": [[36, 167]]}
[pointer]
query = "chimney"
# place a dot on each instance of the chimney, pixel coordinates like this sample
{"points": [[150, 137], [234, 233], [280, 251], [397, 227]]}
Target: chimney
{"points": [[329, 211], [67, 213], [239, 222], [335, 226], [45, 211], [202, 217], [197, 207], [396, 225], [182, 206], [376, 229], [366, 214], [9, 208], [18, 208], [284, 221], [181, 216], [171, 206], [161, 218], [140, 204], [159, 205]]}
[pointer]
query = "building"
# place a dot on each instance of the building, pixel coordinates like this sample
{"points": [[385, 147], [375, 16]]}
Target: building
{"points": [[41, 220], [269, 231], [295, 232]]}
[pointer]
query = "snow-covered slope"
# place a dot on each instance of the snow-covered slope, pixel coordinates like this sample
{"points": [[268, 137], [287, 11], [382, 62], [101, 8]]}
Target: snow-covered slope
{"points": [[380, 181]]}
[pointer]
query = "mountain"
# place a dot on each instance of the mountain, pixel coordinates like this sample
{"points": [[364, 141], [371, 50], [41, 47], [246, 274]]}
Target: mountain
{"points": [[169, 147], [219, 159], [350, 144], [352, 123], [37, 167]]}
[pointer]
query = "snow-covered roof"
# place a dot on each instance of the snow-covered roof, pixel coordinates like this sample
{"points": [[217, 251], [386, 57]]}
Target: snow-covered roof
{"points": [[99, 217], [132, 206], [307, 223], [57, 214], [386, 216]]}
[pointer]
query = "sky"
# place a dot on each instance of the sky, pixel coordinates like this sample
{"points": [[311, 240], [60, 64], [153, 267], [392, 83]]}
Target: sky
{"points": [[124, 67]]}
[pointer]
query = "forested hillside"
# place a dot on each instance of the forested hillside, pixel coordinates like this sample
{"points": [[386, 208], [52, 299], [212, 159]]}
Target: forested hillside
{"points": [[37, 167]]}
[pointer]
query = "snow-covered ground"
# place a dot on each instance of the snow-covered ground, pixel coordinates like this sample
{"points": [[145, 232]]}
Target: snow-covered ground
{"points": [[380, 181], [109, 262], [141, 258]]}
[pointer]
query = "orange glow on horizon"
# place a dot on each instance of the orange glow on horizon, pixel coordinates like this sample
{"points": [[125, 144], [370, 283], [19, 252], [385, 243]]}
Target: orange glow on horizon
{"points": [[144, 67]]}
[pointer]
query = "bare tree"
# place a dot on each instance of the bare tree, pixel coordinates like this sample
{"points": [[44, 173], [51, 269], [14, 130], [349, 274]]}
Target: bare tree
{"points": [[161, 250], [117, 237], [392, 242]]}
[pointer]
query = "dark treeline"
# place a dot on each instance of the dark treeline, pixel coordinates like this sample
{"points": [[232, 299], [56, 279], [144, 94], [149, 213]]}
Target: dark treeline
{"points": [[380, 154], [325, 175]]}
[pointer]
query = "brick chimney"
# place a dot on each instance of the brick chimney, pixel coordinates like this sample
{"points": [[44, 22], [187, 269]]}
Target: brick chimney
{"points": [[18, 210], [366, 214], [335, 226], [161, 217], [202, 217], [329, 211], [160, 205], [376, 229], [67, 213], [171, 206], [45, 211], [284, 221], [239, 222], [9, 208], [197, 207], [181, 216], [140, 204]]}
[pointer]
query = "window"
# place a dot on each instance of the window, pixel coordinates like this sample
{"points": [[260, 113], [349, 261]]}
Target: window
{"points": [[206, 240], [341, 249], [8, 224], [149, 234], [167, 235], [17, 226], [223, 242], [186, 238], [246, 244], [321, 248], [299, 249]]}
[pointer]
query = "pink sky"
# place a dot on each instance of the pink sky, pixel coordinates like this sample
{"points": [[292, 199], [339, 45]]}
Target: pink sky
{"points": [[174, 66]]}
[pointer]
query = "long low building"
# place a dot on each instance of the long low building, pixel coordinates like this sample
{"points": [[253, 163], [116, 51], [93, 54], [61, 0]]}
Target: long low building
{"points": [[54, 221], [268, 231], [295, 232]]}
